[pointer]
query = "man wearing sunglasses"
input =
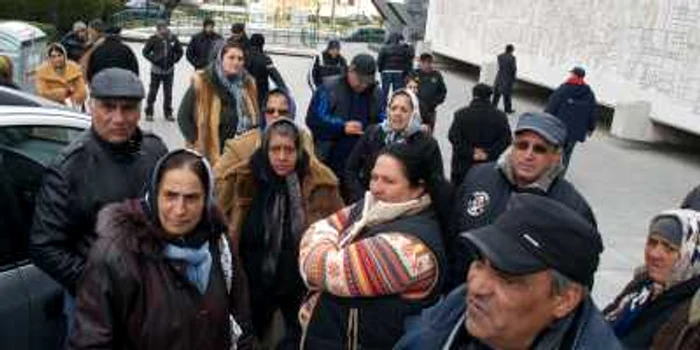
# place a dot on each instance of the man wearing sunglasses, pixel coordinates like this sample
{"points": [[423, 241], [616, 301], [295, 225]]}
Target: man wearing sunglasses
{"points": [[533, 164]]}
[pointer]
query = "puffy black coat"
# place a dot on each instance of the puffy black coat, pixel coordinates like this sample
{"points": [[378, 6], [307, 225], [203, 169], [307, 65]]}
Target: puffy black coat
{"points": [[201, 49], [326, 66], [575, 105], [395, 55], [163, 52], [480, 125], [133, 297], [75, 46], [361, 161], [85, 176], [507, 70]]}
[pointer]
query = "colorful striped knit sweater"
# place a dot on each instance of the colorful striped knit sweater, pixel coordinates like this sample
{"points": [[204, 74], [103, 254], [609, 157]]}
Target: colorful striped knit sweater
{"points": [[331, 259]]}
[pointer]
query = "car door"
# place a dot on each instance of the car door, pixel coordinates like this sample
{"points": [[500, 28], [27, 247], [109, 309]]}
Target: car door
{"points": [[32, 318]]}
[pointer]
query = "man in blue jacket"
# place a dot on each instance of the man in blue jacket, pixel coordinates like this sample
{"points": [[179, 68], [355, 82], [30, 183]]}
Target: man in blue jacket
{"points": [[574, 103], [339, 114], [529, 289]]}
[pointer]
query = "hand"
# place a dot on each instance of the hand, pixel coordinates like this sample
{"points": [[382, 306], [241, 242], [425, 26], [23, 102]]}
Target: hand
{"points": [[425, 128], [480, 154], [353, 128]]}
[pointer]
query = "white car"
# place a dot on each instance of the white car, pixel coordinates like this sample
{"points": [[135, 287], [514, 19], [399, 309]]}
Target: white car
{"points": [[31, 303]]}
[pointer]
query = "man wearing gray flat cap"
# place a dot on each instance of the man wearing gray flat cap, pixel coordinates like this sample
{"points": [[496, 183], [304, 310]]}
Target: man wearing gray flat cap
{"points": [[531, 164], [108, 163]]}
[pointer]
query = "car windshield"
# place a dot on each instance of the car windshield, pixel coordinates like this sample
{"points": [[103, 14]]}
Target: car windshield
{"points": [[40, 143]]}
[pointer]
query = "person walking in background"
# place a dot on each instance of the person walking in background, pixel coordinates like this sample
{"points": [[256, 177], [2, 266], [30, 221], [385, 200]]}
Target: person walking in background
{"points": [[7, 73], [163, 50], [412, 83], [431, 90], [395, 61], [505, 78], [574, 103], [278, 193], [202, 47], [239, 35], [108, 163], [261, 67], [479, 133], [402, 125], [372, 265], [338, 115], [60, 79], [656, 309], [162, 274], [220, 104], [328, 67], [76, 41]]}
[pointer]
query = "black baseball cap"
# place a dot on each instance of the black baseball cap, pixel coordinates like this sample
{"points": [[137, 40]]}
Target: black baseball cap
{"points": [[365, 66], [536, 233]]}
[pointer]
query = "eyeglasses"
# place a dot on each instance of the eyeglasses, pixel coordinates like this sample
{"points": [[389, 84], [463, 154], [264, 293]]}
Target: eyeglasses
{"points": [[275, 110], [537, 148]]}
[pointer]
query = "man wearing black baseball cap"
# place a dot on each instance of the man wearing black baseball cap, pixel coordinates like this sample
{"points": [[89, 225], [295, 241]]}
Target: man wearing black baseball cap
{"points": [[531, 164], [108, 163], [529, 288], [339, 114]]}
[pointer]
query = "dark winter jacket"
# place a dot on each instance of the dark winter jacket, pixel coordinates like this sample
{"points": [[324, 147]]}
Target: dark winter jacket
{"points": [[395, 55], [75, 46], [163, 53], [507, 70], [361, 161], [483, 197], [644, 331], [692, 200], [327, 69], [441, 327], [261, 67], [133, 297], [431, 91], [329, 110], [202, 49], [575, 105], [84, 177], [480, 125]]}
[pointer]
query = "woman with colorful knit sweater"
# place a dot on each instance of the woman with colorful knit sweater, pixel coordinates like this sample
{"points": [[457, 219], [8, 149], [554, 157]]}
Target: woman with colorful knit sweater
{"points": [[371, 265]]}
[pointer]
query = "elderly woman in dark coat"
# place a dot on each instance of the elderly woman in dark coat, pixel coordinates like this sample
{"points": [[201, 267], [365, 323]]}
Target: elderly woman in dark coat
{"points": [[657, 310], [161, 274]]}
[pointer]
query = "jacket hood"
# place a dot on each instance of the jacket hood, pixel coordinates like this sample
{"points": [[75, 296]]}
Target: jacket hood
{"points": [[210, 218]]}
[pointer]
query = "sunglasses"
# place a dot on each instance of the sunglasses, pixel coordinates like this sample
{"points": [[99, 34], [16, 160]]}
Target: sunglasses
{"points": [[537, 148], [275, 110]]}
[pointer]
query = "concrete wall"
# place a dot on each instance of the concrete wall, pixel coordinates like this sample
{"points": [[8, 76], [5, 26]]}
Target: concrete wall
{"points": [[633, 50]]}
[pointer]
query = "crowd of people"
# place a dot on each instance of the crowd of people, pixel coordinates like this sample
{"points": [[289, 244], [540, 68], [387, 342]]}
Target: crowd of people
{"points": [[343, 233]]}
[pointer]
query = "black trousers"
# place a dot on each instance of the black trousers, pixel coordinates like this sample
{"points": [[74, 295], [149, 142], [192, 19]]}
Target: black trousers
{"points": [[507, 103], [167, 80]]}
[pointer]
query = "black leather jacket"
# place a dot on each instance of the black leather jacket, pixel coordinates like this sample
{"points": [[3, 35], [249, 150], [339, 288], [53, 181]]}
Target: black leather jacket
{"points": [[85, 176]]}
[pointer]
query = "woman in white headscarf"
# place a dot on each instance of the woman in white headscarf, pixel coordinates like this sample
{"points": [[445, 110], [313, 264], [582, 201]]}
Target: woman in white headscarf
{"points": [[402, 125], [660, 307]]}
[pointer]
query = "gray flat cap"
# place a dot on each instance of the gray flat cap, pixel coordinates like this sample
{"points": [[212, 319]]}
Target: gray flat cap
{"points": [[544, 124], [116, 83]]}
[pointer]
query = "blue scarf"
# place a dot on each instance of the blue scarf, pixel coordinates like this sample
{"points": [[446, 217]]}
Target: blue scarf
{"points": [[198, 263]]}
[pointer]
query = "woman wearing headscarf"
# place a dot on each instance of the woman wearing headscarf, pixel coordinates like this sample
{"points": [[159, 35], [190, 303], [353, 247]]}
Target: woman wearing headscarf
{"points": [[403, 125], [657, 310], [60, 79], [280, 191], [7, 72], [220, 104], [373, 264], [161, 274]]}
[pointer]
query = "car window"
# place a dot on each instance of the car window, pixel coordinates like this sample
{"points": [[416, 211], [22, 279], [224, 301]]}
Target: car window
{"points": [[24, 153]]}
